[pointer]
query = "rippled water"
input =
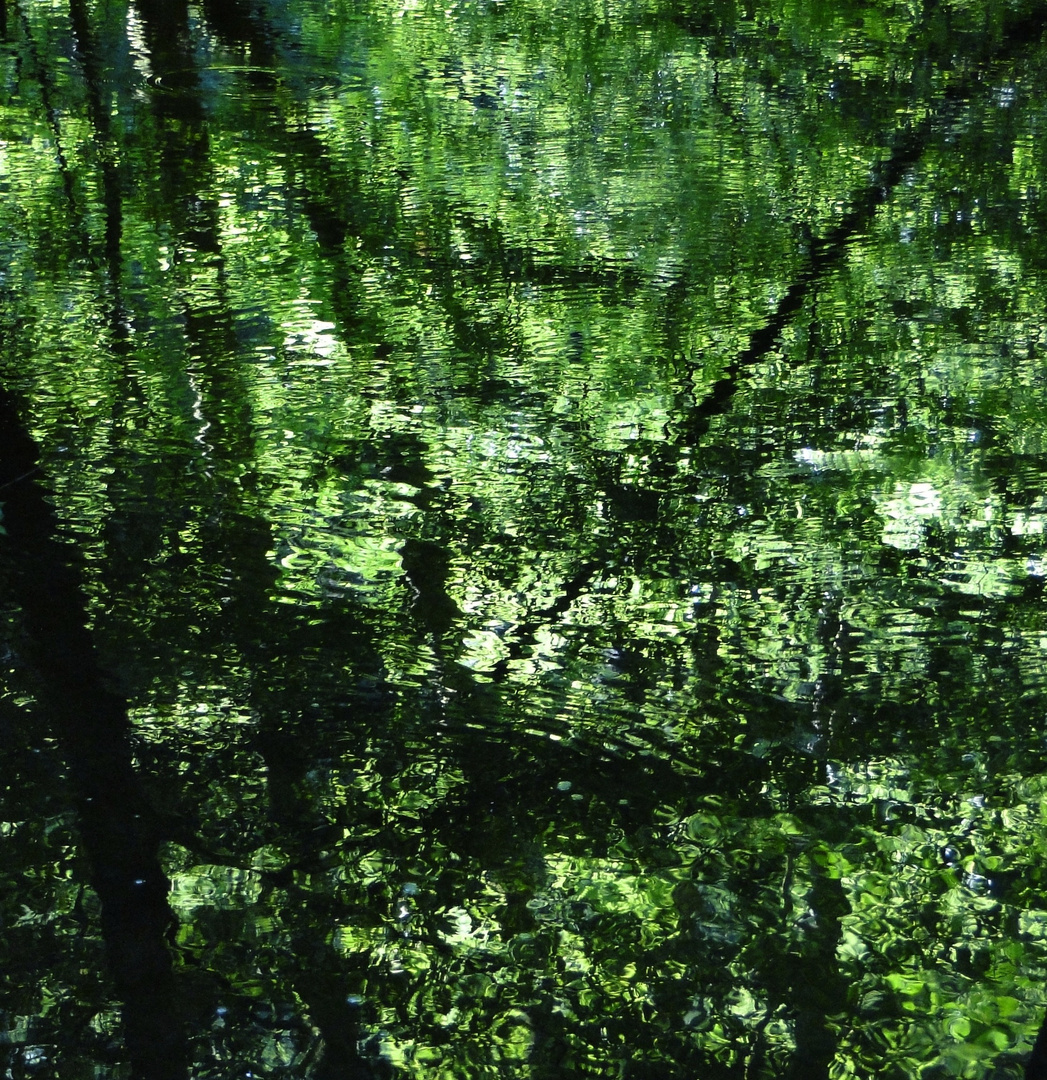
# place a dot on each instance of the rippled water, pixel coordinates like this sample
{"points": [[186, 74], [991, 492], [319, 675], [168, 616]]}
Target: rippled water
{"points": [[556, 499]]}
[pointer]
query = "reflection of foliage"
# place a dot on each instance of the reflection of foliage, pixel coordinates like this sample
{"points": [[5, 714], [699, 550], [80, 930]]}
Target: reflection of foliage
{"points": [[516, 733]]}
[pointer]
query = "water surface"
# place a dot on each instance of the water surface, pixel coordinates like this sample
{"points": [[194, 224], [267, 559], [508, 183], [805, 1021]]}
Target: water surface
{"points": [[524, 539]]}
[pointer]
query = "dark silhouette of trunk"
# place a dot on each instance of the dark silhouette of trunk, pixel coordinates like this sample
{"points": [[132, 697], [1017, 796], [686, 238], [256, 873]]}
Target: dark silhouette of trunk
{"points": [[1037, 1066], [119, 831]]}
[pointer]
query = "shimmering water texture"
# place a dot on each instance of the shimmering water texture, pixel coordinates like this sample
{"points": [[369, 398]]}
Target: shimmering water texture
{"points": [[523, 539]]}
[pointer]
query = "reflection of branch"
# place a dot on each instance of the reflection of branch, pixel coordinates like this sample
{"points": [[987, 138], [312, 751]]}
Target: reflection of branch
{"points": [[822, 256], [826, 252], [526, 633]]}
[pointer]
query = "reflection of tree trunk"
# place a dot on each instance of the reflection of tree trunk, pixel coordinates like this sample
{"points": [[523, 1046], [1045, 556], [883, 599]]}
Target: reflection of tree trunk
{"points": [[167, 23], [259, 630], [1037, 1067], [44, 82], [819, 991], [98, 111], [119, 832]]}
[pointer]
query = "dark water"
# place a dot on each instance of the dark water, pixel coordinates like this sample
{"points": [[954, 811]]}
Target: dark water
{"points": [[523, 540]]}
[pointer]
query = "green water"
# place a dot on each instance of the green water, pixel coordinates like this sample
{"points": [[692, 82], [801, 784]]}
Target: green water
{"points": [[523, 542]]}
